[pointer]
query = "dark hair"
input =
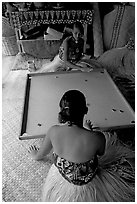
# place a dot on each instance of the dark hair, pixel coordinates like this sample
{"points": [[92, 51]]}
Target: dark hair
{"points": [[78, 25], [68, 30], [73, 107]]}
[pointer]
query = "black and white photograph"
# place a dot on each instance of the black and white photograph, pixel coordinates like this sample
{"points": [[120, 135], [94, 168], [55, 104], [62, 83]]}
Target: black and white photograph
{"points": [[68, 101]]}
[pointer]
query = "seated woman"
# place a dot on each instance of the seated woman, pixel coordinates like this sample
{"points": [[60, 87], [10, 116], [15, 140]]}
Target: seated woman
{"points": [[86, 168], [70, 53]]}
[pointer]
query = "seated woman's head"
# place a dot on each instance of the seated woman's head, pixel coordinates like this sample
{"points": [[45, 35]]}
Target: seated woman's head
{"points": [[78, 30], [72, 107]]}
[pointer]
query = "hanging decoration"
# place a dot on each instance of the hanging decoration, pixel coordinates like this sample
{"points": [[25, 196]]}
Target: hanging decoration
{"points": [[50, 17]]}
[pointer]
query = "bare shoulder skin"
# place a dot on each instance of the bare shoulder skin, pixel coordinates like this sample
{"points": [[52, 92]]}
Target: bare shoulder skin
{"points": [[75, 144]]}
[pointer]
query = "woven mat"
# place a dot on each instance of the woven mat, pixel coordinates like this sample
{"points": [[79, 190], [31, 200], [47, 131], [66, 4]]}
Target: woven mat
{"points": [[21, 62], [22, 177]]}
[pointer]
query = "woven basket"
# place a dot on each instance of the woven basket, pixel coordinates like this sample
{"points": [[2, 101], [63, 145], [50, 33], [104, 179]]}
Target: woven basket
{"points": [[9, 45], [7, 30], [41, 48]]}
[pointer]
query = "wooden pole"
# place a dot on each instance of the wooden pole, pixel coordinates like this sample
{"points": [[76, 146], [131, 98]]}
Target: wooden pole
{"points": [[97, 31]]}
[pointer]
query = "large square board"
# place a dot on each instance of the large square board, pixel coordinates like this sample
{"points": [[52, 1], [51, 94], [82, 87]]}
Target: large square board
{"points": [[108, 109]]}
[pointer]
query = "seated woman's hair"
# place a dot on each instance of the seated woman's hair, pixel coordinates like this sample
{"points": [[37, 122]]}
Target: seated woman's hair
{"points": [[78, 25], [69, 28], [73, 107]]}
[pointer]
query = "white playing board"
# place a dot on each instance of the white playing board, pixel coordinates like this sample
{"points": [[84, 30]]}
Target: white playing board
{"points": [[108, 109]]}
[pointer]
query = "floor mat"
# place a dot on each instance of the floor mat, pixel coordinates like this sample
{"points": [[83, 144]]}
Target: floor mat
{"points": [[22, 177]]}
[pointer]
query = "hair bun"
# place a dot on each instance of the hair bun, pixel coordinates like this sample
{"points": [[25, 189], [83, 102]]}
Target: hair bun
{"points": [[64, 115]]}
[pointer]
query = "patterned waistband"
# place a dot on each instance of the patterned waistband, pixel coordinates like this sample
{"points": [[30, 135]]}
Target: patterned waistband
{"points": [[79, 182], [76, 173]]}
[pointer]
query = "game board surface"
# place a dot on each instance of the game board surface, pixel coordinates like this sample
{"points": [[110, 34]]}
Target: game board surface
{"points": [[108, 109]]}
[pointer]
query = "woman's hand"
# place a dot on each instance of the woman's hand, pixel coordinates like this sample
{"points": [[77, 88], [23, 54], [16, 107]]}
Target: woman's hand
{"points": [[89, 124], [33, 150], [84, 67]]}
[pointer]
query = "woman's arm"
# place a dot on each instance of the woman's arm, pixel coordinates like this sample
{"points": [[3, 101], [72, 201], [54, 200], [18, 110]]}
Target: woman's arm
{"points": [[45, 148]]}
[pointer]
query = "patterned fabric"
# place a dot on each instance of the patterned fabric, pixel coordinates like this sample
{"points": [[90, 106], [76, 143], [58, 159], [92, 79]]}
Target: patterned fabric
{"points": [[130, 44], [75, 50], [76, 173], [116, 28], [50, 17], [61, 52]]}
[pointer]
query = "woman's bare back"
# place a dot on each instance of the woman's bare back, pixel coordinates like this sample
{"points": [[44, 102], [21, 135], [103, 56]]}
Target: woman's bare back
{"points": [[77, 144]]}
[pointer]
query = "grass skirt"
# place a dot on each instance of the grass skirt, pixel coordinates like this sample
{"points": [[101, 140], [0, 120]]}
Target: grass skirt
{"points": [[113, 182]]}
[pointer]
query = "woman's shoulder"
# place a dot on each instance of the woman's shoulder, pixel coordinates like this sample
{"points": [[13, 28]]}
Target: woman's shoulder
{"points": [[52, 130], [56, 128], [100, 139], [98, 136]]}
